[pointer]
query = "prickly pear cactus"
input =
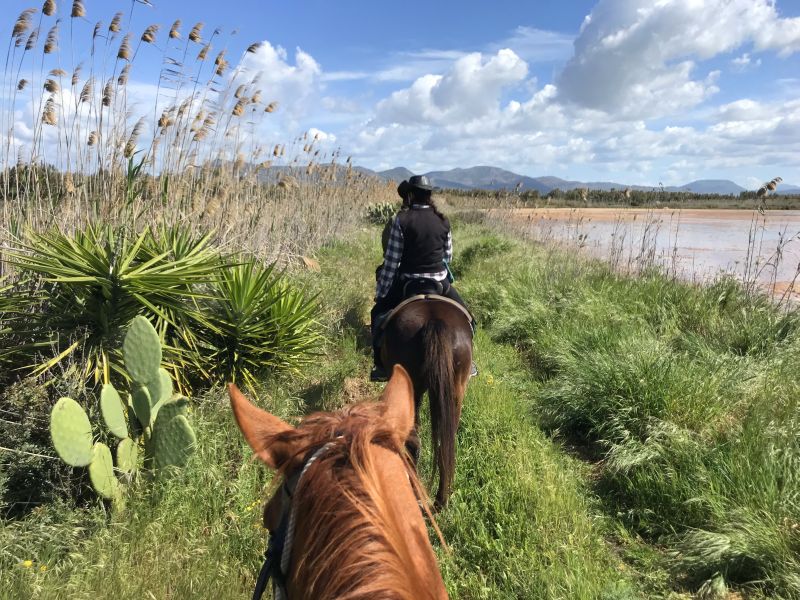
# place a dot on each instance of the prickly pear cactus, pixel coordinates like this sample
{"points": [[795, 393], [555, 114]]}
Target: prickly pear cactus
{"points": [[141, 350], [113, 411], [101, 472], [71, 433], [153, 417]]}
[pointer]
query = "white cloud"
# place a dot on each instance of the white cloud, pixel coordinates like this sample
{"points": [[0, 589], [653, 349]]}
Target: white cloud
{"points": [[638, 58], [469, 90], [291, 85], [744, 62]]}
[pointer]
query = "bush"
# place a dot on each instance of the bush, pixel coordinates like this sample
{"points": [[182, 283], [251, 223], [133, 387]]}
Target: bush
{"points": [[252, 321], [381, 213]]}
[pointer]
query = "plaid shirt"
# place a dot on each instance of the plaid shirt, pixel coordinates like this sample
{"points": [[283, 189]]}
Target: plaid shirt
{"points": [[394, 252]]}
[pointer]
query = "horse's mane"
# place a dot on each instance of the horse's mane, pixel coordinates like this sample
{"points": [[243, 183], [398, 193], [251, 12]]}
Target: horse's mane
{"points": [[359, 548]]}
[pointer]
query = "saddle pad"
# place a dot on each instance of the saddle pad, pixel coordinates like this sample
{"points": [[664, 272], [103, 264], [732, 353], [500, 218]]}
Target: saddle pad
{"points": [[419, 297]]}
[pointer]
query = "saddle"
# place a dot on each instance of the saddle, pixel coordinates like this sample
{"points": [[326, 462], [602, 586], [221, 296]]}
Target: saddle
{"points": [[418, 290]]}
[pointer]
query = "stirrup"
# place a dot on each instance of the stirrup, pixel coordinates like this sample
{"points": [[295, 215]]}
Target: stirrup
{"points": [[473, 371]]}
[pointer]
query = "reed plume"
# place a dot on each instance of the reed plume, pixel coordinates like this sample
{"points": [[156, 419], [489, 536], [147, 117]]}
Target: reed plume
{"points": [[77, 9], [113, 27], [122, 80], [76, 74], [87, 91], [108, 93], [149, 35], [49, 116], [124, 52], [22, 83], [194, 34], [51, 42], [49, 8], [32, 39], [204, 52], [253, 48], [22, 24], [271, 107], [51, 85], [93, 137], [174, 31]]}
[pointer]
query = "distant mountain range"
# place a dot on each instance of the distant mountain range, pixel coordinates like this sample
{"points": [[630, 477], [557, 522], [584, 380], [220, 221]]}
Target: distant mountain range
{"points": [[493, 178]]}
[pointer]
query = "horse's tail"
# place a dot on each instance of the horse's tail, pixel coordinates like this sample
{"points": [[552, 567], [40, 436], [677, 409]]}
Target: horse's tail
{"points": [[440, 375]]}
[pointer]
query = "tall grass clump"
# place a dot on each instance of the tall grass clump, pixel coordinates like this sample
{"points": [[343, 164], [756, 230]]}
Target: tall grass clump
{"points": [[683, 396]]}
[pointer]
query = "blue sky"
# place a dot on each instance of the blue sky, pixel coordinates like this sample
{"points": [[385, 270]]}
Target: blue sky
{"points": [[635, 91]]}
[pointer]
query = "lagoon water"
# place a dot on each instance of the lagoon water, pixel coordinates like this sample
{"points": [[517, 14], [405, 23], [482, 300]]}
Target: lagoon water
{"points": [[694, 243]]}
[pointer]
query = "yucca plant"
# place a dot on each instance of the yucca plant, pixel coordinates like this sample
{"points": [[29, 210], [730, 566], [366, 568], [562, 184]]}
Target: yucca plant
{"points": [[254, 322], [95, 281]]}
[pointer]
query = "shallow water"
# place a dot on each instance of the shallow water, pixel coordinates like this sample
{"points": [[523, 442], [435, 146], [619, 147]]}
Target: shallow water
{"points": [[692, 243]]}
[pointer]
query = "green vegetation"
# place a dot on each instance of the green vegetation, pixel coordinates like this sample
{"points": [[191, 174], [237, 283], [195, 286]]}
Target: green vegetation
{"points": [[684, 398]]}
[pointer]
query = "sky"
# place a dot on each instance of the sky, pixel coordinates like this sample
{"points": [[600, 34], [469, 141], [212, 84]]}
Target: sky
{"points": [[634, 91]]}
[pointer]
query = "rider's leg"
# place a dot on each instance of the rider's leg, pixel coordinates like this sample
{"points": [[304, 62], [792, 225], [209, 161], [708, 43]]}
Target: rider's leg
{"points": [[382, 306]]}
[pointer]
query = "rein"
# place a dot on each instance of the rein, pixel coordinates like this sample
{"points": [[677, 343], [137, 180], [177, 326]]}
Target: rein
{"points": [[279, 548]]}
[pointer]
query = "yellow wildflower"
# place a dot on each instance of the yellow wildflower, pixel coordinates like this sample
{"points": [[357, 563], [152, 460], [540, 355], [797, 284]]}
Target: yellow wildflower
{"points": [[27, 564], [43, 568]]}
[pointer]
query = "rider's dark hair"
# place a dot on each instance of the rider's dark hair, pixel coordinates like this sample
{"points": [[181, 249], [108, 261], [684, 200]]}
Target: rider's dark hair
{"points": [[424, 197]]}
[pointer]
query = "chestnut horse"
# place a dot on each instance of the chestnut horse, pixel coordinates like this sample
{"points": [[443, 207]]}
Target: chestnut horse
{"points": [[354, 527], [432, 339]]}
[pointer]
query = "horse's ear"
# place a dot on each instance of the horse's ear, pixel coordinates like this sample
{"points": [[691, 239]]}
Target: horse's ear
{"points": [[398, 402], [259, 429]]}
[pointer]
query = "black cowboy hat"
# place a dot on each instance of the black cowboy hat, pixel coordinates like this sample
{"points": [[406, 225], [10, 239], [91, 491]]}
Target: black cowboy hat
{"points": [[420, 182]]}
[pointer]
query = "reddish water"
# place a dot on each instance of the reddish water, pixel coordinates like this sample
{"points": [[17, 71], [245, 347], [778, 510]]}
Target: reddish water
{"points": [[698, 244]]}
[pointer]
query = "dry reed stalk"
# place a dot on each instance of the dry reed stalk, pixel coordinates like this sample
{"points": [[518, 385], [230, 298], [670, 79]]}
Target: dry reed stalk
{"points": [[253, 48], [124, 52], [32, 39], [92, 140], [76, 74], [108, 93], [194, 34], [271, 107], [22, 24], [87, 91], [201, 56], [149, 35], [49, 116], [78, 10], [21, 85], [51, 42], [114, 26], [51, 85], [122, 80]]}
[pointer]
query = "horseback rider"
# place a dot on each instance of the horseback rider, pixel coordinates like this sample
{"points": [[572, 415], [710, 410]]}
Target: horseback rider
{"points": [[419, 247]]}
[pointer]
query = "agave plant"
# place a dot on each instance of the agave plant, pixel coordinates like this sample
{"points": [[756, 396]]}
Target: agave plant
{"points": [[95, 281], [254, 322]]}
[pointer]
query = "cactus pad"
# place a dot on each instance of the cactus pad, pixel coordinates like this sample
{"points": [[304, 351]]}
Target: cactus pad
{"points": [[113, 412], [173, 442], [173, 408], [101, 472], [142, 350], [127, 455], [160, 388], [71, 432], [140, 399]]}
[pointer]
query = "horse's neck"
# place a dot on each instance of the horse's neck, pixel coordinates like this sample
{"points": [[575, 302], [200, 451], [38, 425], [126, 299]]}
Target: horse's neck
{"points": [[394, 560]]}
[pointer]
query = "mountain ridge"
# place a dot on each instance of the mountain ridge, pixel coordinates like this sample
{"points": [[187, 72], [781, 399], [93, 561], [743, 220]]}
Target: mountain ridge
{"points": [[486, 177]]}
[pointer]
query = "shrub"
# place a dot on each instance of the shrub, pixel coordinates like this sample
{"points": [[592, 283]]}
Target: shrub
{"points": [[381, 213], [91, 284], [253, 321]]}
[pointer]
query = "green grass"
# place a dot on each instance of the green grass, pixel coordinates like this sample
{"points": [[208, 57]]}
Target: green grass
{"points": [[685, 398], [627, 438], [520, 525]]}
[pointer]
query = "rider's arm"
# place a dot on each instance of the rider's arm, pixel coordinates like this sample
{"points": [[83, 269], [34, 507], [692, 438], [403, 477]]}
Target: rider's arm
{"points": [[448, 249], [391, 260]]}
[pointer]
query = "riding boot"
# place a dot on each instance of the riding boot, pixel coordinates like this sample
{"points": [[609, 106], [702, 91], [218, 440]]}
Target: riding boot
{"points": [[378, 370]]}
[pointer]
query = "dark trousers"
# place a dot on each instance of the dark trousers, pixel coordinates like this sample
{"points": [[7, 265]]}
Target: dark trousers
{"points": [[392, 299]]}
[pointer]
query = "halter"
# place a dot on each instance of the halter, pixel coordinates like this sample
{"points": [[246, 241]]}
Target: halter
{"points": [[279, 548]]}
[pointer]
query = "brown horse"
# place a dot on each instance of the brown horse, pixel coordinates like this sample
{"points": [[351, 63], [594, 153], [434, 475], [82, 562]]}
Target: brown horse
{"points": [[432, 339], [355, 528]]}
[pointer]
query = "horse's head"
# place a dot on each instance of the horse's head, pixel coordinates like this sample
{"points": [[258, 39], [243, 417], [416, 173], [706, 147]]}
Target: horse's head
{"points": [[285, 448], [347, 515]]}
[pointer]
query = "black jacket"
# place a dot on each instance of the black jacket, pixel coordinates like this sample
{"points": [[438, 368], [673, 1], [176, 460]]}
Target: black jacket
{"points": [[424, 240]]}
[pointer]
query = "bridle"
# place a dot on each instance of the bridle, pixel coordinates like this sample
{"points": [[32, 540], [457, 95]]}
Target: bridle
{"points": [[279, 547]]}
